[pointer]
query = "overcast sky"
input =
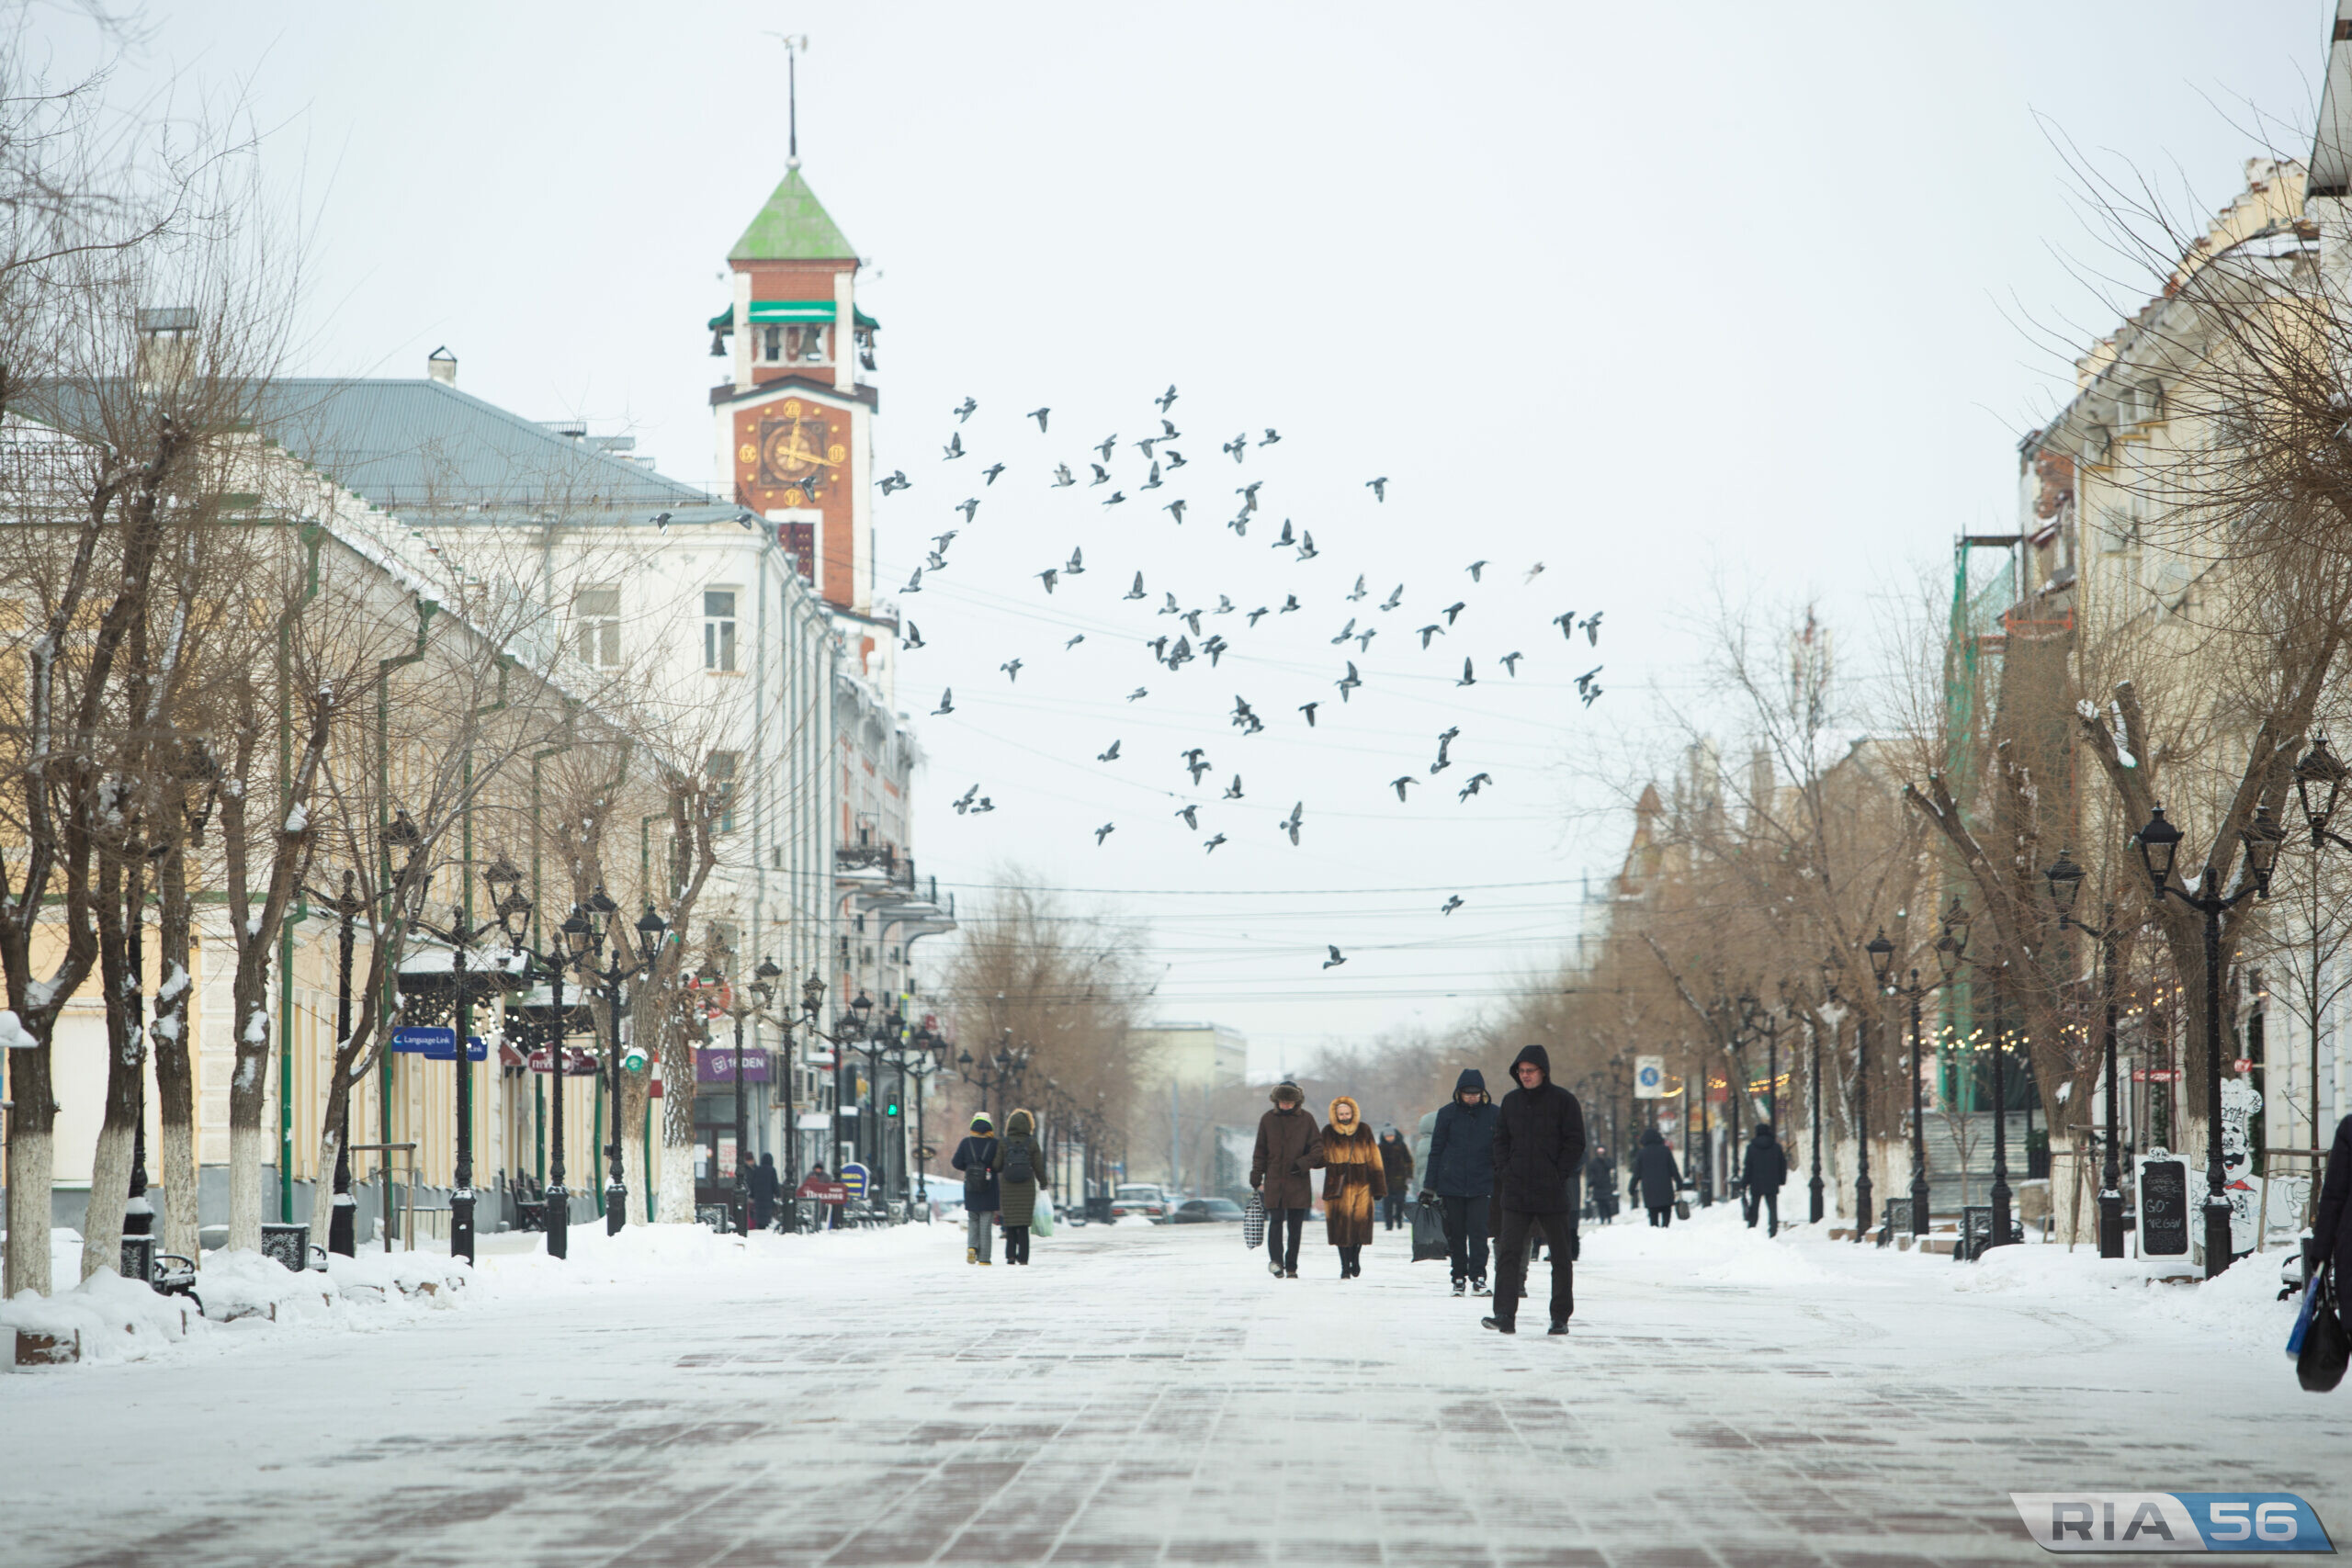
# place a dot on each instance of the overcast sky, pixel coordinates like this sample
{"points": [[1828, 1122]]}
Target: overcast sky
{"points": [[1662, 297]]}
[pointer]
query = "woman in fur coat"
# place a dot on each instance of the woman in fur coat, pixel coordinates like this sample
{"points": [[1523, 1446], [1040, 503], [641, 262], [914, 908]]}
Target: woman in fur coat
{"points": [[1353, 1181]]}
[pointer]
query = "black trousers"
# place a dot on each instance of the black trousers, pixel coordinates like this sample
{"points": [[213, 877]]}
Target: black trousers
{"points": [[1771, 1204], [1392, 1210], [1466, 1236], [1278, 1221], [1016, 1244], [1662, 1218], [1511, 1273]]}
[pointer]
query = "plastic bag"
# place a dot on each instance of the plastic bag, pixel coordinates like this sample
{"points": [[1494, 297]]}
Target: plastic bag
{"points": [[1041, 1218], [2327, 1343], [1429, 1230], [1253, 1221]]}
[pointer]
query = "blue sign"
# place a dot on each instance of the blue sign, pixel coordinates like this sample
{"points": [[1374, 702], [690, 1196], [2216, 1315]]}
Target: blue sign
{"points": [[2171, 1521], [854, 1177], [439, 1044]]}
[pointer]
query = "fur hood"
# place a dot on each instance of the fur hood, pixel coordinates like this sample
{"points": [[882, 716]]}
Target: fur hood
{"points": [[1355, 1117], [1020, 1125]]}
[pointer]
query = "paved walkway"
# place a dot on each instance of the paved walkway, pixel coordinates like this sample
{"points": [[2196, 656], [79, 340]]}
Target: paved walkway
{"points": [[1150, 1395]]}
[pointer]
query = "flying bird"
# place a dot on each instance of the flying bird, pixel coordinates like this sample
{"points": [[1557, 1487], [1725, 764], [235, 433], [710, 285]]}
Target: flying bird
{"points": [[986, 804], [935, 561], [1115, 497], [1110, 756], [1450, 611], [1063, 477], [1378, 486], [1193, 619], [1349, 682], [947, 702], [1039, 416], [1591, 625], [1011, 669], [1290, 824], [1533, 572], [963, 411], [1272, 436], [1213, 647], [1145, 445], [1167, 400], [1214, 843], [991, 472], [1474, 783], [661, 522], [941, 541], [1591, 695], [1152, 483], [1306, 544], [1395, 598], [1176, 507], [1432, 629], [914, 583], [1175, 459], [1073, 642], [1583, 682], [1137, 693], [1246, 717], [1399, 781], [1168, 428], [1308, 709], [895, 480], [1240, 524], [1510, 662], [915, 637], [1102, 474], [1171, 608], [954, 446], [1450, 905], [1075, 565], [1290, 602], [1103, 832], [1107, 446], [1224, 605], [1195, 763], [1566, 622], [1335, 958], [1048, 577], [1248, 494], [968, 505], [1287, 540], [1192, 816], [1363, 638], [1255, 613], [1238, 445], [1467, 678], [1233, 790], [1136, 592], [964, 802], [1358, 591], [1345, 632], [1474, 568]]}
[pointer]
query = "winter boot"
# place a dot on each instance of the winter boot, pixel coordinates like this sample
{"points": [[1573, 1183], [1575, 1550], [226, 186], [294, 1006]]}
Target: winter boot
{"points": [[1499, 1326], [1478, 1287], [1274, 1266], [1290, 1274], [971, 1255], [1559, 1325]]}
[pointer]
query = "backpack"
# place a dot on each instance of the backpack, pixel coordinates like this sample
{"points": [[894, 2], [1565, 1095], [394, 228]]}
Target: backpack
{"points": [[1018, 1168]]}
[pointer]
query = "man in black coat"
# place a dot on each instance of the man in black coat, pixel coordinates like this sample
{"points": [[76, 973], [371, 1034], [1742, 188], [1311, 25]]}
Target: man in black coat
{"points": [[1462, 1174], [1763, 1173], [1600, 1184], [2332, 1229], [1539, 1149], [1655, 1177], [764, 1184]]}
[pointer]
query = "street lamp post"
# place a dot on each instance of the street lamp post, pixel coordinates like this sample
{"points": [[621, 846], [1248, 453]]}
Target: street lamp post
{"points": [[651, 928], [2065, 879], [1956, 932], [1816, 1207], [1948, 952], [342, 1224], [2159, 841]]}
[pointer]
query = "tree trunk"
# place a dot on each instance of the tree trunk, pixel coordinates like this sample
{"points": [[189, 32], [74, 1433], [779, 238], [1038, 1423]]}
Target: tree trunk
{"points": [[175, 1067], [632, 1138], [31, 1166], [126, 1065], [678, 1141]]}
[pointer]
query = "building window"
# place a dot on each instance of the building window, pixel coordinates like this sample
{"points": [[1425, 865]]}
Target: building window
{"points": [[722, 787], [596, 621], [719, 628]]}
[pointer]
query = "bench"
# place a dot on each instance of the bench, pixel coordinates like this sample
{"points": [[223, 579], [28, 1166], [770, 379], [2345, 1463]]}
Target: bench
{"points": [[166, 1273]]}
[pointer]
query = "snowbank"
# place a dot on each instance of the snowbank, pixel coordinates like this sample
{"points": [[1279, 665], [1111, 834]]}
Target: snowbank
{"points": [[1713, 1246], [104, 1318], [2240, 1308]]}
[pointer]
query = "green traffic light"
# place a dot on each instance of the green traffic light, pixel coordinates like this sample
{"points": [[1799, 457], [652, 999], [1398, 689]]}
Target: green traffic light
{"points": [[891, 1109]]}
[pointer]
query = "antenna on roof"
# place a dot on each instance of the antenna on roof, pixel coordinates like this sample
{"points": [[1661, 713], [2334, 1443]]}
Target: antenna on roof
{"points": [[795, 46]]}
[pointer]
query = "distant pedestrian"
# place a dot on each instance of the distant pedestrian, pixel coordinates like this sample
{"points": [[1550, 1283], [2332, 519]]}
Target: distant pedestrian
{"points": [[1021, 1175], [1655, 1179], [1289, 1144], [831, 1218], [1539, 1150], [1397, 1165], [1763, 1173], [1462, 1175], [976, 1156], [1353, 1176], [763, 1181], [1600, 1183]]}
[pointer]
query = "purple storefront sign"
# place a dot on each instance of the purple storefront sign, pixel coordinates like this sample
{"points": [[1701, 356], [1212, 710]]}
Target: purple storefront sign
{"points": [[718, 1067]]}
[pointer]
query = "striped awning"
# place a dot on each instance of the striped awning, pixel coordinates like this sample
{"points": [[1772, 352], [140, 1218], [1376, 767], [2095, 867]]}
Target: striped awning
{"points": [[770, 313]]}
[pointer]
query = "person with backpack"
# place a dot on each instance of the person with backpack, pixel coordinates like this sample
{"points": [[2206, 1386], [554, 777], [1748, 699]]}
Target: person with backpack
{"points": [[1461, 1175], [976, 1156], [1655, 1177], [1021, 1178], [1763, 1173]]}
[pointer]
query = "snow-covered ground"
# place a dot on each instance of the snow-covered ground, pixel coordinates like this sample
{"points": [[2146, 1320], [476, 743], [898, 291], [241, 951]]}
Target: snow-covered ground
{"points": [[1150, 1395]]}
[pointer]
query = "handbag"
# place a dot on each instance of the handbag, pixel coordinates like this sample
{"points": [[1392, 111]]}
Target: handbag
{"points": [[1041, 1219], [2328, 1343], [1429, 1230], [1253, 1221], [1683, 1204]]}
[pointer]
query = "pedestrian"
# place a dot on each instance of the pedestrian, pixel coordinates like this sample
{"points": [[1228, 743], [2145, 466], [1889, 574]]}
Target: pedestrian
{"points": [[1289, 1144], [764, 1184], [1022, 1168], [2332, 1229], [1539, 1149], [831, 1219], [1655, 1177], [1461, 1175], [1353, 1176], [1397, 1165], [1763, 1173], [976, 1156], [1600, 1181]]}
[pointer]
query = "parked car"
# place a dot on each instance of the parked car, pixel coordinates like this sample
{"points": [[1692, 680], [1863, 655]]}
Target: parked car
{"points": [[1206, 1211], [1140, 1201]]}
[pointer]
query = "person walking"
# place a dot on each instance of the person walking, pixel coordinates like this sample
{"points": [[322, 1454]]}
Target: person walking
{"points": [[763, 1182], [1539, 1149], [1021, 1175], [1655, 1177], [976, 1156], [1289, 1144], [2332, 1227], [1763, 1172], [1397, 1165], [1461, 1175], [1354, 1175], [1600, 1181]]}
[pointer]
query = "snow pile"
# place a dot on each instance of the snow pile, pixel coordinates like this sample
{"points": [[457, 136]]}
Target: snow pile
{"points": [[2240, 1308], [105, 1318], [1713, 1246], [235, 1286], [427, 1280], [643, 1253]]}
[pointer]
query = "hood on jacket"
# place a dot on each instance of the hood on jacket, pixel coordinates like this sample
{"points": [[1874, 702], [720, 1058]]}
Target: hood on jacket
{"points": [[1355, 1113], [1650, 1136], [1535, 1053], [1020, 1125], [1286, 1091], [1763, 1133], [1471, 1078]]}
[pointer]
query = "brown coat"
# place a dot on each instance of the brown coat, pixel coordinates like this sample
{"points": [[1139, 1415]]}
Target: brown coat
{"points": [[1287, 1145], [1353, 1178]]}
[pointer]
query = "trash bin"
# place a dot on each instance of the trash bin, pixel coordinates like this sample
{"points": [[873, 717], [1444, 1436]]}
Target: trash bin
{"points": [[289, 1245]]}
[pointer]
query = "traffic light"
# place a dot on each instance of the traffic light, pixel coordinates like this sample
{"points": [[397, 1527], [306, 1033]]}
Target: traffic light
{"points": [[890, 1106]]}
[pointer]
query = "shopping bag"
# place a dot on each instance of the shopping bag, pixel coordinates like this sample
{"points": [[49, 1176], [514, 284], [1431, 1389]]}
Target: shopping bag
{"points": [[1683, 1204], [1429, 1230], [2327, 1343], [1253, 1221], [1041, 1219]]}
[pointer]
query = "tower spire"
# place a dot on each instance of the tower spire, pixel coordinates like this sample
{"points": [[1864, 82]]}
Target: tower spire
{"points": [[795, 46]]}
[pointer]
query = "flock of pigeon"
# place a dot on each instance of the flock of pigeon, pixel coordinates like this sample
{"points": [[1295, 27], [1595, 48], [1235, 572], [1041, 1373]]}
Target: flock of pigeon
{"points": [[1186, 642]]}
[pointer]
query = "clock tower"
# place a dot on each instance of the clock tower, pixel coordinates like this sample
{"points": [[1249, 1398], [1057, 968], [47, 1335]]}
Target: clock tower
{"points": [[795, 422]]}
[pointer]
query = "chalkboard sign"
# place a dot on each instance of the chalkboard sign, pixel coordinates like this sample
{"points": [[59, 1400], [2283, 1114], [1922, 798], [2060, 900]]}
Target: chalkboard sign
{"points": [[2163, 1208]]}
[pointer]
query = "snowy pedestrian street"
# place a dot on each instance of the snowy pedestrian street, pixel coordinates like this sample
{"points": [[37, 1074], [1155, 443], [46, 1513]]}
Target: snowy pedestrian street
{"points": [[1148, 1394]]}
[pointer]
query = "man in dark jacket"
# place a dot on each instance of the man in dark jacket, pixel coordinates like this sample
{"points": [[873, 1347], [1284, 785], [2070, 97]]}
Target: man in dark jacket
{"points": [[2332, 1227], [976, 1156], [1539, 1149], [1289, 1146], [1655, 1177], [762, 1185], [1600, 1181], [1397, 1165], [1763, 1173], [1462, 1174]]}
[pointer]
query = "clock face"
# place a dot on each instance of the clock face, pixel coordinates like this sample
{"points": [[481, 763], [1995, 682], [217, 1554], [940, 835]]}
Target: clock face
{"points": [[791, 453]]}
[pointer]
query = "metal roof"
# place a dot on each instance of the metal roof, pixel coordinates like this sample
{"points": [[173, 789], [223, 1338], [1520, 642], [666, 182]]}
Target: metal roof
{"points": [[793, 226], [424, 445]]}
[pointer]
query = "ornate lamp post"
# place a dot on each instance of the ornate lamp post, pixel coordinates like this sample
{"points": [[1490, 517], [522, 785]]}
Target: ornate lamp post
{"points": [[1948, 952], [1956, 924], [623, 966], [2159, 842], [2065, 879]]}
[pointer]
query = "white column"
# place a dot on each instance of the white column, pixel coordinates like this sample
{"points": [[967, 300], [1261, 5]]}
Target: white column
{"points": [[844, 331]]}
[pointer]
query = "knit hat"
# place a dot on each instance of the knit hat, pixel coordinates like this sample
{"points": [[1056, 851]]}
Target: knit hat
{"points": [[981, 1124]]}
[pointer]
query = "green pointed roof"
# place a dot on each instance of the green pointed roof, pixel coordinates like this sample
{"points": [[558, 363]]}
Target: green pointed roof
{"points": [[793, 226]]}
